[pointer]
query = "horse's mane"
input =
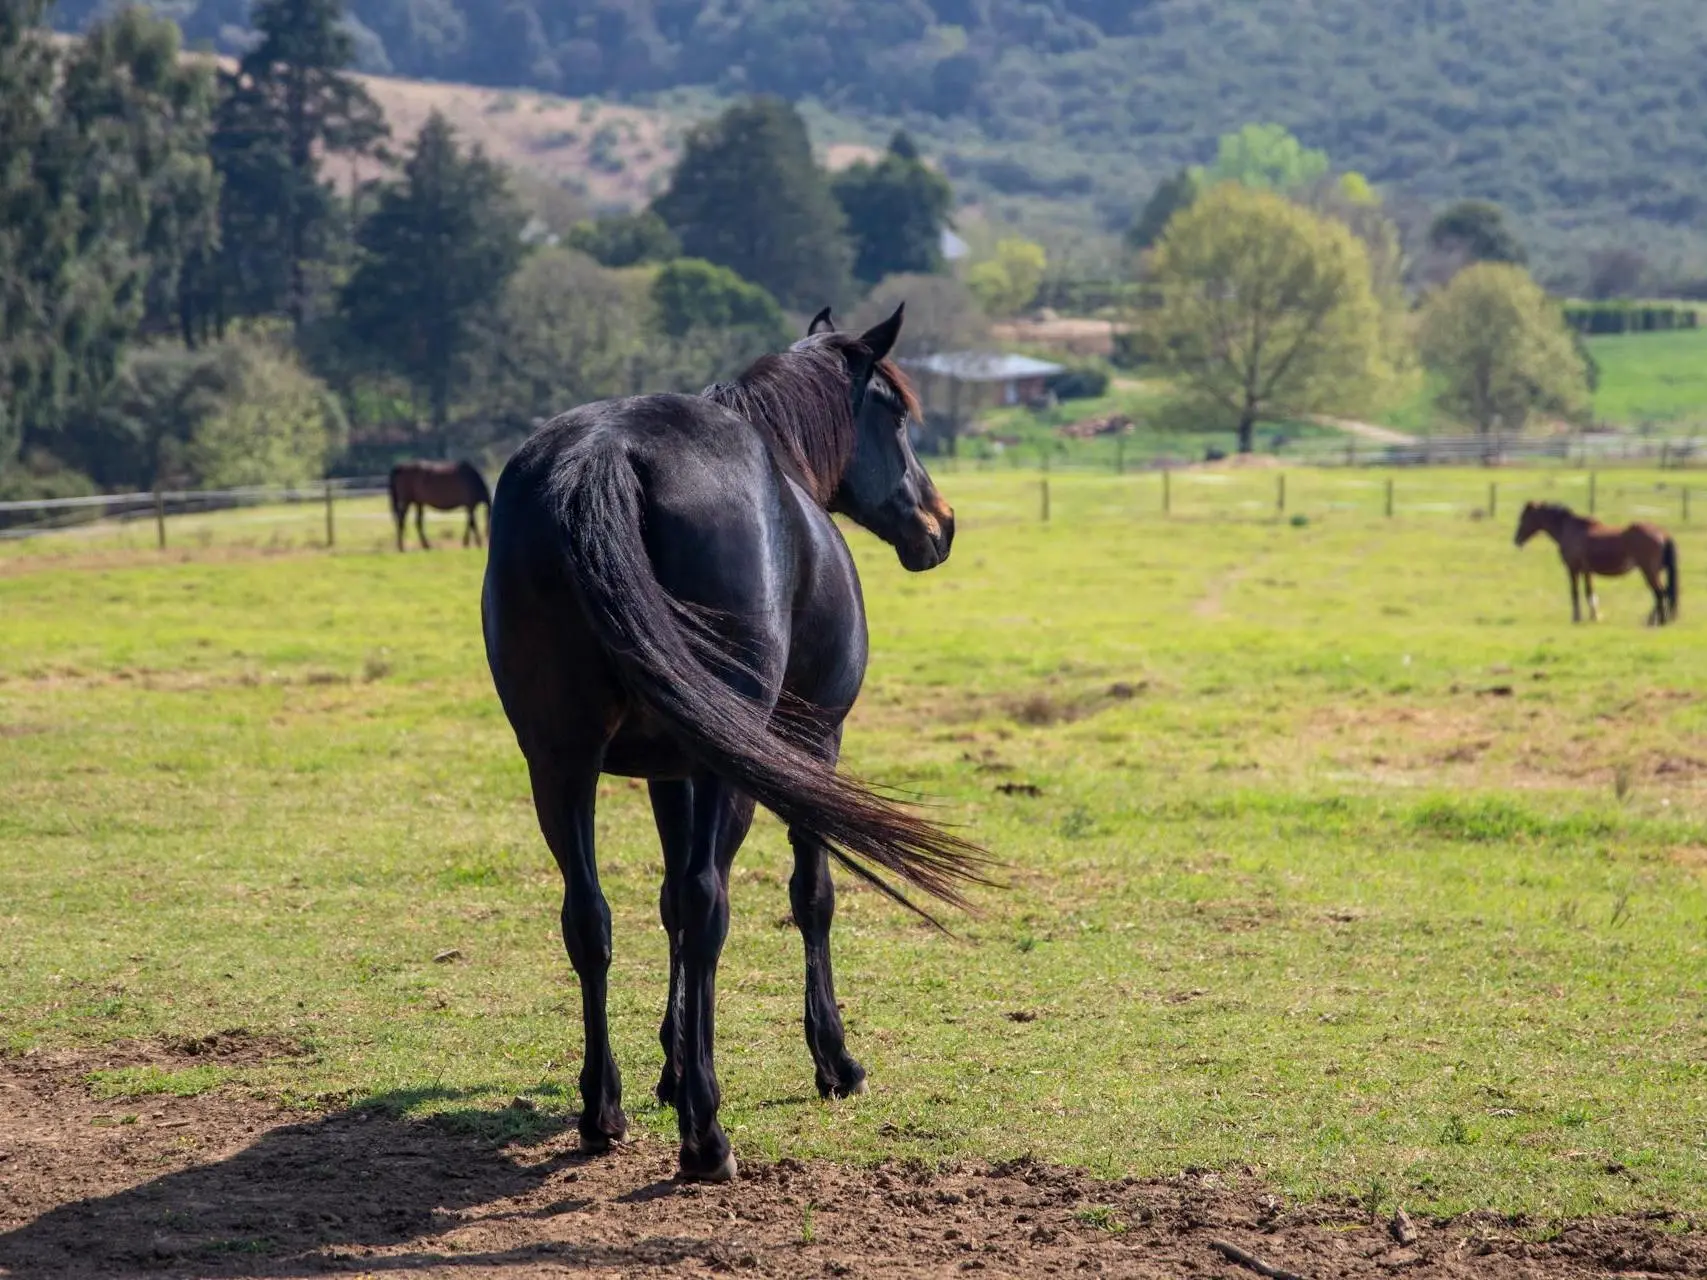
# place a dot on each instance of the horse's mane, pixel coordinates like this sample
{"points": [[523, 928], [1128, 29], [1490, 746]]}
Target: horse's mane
{"points": [[799, 397]]}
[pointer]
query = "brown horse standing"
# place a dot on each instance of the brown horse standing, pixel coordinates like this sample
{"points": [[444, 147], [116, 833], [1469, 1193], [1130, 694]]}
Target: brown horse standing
{"points": [[1588, 547], [443, 486]]}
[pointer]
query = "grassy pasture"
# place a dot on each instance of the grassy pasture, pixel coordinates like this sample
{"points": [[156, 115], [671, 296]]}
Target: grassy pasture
{"points": [[1351, 859]]}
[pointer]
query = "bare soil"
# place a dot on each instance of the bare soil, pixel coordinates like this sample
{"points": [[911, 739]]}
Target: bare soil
{"points": [[224, 1185]]}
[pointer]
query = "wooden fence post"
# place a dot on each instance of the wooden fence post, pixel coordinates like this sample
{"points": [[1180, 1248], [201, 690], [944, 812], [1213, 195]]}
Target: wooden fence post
{"points": [[331, 538], [160, 516], [1044, 485], [1389, 497], [1167, 504], [1280, 493], [1493, 498], [1119, 455], [1592, 476]]}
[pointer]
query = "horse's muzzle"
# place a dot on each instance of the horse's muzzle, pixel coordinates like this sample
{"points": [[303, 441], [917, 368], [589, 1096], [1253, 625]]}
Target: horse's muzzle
{"points": [[931, 549]]}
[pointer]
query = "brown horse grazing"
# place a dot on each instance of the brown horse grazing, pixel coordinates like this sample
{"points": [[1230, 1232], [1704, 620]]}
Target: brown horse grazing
{"points": [[443, 486], [1588, 547]]}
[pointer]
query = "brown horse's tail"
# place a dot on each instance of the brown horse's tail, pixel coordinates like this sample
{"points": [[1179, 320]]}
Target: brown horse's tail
{"points": [[667, 662], [1668, 562]]}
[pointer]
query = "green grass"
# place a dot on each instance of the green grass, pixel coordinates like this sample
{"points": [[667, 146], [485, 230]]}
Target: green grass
{"points": [[1652, 377], [1353, 861]]}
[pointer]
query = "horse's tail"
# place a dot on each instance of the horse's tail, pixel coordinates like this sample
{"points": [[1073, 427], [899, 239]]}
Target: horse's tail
{"points": [[1668, 562], [666, 659]]}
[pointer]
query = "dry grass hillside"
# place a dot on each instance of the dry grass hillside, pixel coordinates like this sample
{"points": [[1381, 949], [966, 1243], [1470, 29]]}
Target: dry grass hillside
{"points": [[610, 154]]}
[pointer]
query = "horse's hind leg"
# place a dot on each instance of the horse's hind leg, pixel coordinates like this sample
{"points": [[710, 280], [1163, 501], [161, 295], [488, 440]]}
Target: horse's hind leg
{"points": [[421, 525], [812, 895], [563, 793], [1593, 600], [672, 810], [721, 816], [401, 514], [1576, 604], [468, 532], [1656, 615]]}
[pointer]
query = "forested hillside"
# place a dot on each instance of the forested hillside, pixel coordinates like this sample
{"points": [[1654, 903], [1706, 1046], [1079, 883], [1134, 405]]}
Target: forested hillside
{"points": [[1576, 114]]}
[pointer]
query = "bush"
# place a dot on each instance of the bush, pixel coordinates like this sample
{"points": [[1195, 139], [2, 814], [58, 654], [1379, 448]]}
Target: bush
{"points": [[271, 423], [1082, 381], [1629, 317]]}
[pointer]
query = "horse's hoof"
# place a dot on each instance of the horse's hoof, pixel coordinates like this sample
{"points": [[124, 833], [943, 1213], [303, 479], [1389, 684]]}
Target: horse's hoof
{"points": [[845, 1087], [597, 1144], [724, 1172]]}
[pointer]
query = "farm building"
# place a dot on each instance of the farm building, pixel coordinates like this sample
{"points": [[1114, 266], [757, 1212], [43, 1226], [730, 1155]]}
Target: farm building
{"points": [[954, 386]]}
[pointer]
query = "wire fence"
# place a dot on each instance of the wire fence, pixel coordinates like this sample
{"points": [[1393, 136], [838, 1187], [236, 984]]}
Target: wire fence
{"points": [[27, 518], [306, 516], [1120, 453]]}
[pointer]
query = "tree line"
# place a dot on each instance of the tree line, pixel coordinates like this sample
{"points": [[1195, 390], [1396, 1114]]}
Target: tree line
{"points": [[174, 248], [188, 298], [1278, 290], [1036, 107]]}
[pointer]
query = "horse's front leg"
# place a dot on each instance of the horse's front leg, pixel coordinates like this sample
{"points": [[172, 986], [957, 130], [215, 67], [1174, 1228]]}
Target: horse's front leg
{"points": [[421, 525], [564, 788], [468, 532], [1593, 600], [1576, 605], [721, 816]]}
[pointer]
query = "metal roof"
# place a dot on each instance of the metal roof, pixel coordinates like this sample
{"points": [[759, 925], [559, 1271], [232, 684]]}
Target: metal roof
{"points": [[982, 366]]}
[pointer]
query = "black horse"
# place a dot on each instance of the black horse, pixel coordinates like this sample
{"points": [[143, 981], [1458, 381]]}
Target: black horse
{"points": [[668, 598]]}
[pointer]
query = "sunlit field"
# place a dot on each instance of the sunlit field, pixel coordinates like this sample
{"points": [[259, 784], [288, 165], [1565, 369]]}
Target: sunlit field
{"points": [[1333, 848]]}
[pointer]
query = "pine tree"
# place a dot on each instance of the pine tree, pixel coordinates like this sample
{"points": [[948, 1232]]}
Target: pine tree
{"points": [[749, 196], [437, 252], [287, 106], [896, 211]]}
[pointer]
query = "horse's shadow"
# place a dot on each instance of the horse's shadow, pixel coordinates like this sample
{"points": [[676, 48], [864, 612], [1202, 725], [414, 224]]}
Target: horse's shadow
{"points": [[317, 1196]]}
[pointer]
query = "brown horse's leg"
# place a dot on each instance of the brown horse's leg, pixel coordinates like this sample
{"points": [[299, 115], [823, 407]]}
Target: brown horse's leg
{"points": [[421, 525], [1576, 605], [1593, 600], [721, 816], [1656, 615], [564, 788], [401, 511], [469, 531]]}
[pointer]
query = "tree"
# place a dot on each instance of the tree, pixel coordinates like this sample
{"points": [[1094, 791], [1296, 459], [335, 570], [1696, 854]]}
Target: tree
{"points": [[1475, 231], [105, 195], [1174, 194], [438, 250], [1267, 157], [896, 212], [566, 331], [748, 195], [691, 294], [1266, 311], [1502, 350], [1616, 272], [286, 107], [1006, 283], [626, 239], [942, 314]]}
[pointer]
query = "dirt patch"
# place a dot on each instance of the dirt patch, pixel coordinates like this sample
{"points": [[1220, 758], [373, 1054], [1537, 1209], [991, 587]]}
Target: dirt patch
{"points": [[225, 1186]]}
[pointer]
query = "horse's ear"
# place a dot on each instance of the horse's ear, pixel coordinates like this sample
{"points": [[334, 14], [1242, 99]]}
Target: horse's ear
{"points": [[821, 323], [880, 339]]}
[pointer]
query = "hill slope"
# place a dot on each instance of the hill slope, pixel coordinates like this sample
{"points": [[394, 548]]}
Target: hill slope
{"points": [[1581, 115]]}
